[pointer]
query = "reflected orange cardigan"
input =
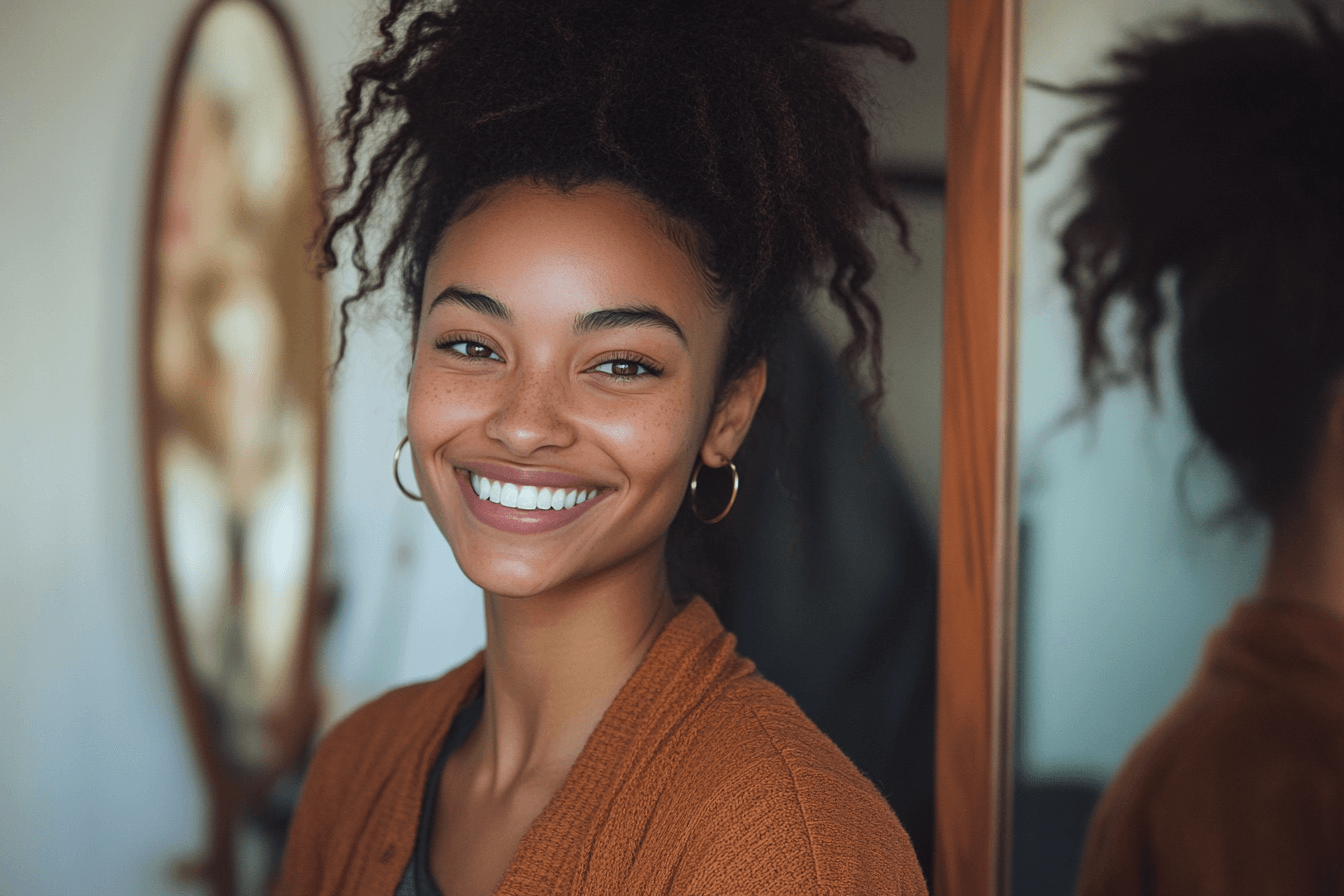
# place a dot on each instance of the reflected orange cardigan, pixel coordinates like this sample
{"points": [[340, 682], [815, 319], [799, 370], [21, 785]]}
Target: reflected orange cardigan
{"points": [[1239, 789], [702, 778]]}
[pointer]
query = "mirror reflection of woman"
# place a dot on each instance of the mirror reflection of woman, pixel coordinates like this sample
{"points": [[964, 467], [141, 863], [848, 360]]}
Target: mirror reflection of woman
{"points": [[1220, 184], [602, 214]]}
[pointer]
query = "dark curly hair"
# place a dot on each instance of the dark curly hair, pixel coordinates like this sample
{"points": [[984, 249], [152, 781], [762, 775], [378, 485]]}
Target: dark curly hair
{"points": [[736, 118], [1222, 169]]}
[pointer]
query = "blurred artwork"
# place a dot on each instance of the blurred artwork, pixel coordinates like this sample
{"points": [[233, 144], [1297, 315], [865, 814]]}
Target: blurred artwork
{"points": [[234, 385], [237, 366]]}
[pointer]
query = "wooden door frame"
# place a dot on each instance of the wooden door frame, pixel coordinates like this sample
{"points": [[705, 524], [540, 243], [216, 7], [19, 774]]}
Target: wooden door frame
{"points": [[977, 549]]}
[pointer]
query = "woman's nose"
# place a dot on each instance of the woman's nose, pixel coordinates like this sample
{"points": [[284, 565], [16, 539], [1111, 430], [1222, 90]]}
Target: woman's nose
{"points": [[532, 415]]}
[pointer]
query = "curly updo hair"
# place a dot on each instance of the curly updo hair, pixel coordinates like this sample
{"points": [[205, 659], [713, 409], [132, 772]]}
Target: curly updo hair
{"points": [[1220, 178], [736, 118]]}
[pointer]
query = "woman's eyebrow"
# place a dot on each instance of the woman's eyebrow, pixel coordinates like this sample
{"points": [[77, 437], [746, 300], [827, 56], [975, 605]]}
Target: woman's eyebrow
{"points": [[474, 300], [628, 316]]}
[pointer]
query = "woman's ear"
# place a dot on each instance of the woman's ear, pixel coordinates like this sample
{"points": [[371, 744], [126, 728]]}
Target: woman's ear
{"points": [[732, 418]]}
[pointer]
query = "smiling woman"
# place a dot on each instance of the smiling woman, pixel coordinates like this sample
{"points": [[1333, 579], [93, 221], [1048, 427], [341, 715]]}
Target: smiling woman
{"points": [[585, 361], [607, 214]]}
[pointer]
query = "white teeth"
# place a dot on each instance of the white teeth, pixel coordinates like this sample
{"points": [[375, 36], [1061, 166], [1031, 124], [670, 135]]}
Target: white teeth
{"points": [[528, 497]]}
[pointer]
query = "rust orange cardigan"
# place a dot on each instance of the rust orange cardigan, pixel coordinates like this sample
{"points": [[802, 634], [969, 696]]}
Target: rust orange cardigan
{"points": [[702, 778], [1239, 790]]}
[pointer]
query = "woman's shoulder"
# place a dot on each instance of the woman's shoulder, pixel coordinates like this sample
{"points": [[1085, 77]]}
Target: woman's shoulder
{"points": [[1217, 733], [367, 775], [773, 792], [1235, 783], [754, 717], [404, 714], [384, 737], [1242, 713]]}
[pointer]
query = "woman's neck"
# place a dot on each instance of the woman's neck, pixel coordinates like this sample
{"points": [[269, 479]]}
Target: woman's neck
{"points": [[556, 661], [1305, 565]]}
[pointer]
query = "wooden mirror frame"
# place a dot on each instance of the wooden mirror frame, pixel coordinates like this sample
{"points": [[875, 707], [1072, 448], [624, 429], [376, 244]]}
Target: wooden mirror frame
{"points": [[977, 545], [232, 795]]}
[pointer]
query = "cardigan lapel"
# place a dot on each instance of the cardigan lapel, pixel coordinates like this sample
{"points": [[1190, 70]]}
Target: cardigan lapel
{"points": [[690, 661], [379, 859]]}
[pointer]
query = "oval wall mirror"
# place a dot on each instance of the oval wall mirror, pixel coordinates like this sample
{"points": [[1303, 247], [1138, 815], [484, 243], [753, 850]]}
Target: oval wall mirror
{"points": [[232, 372]]}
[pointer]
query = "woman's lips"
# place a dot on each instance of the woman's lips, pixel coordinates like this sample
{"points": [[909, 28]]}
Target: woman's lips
{"points": [[489, 498]]}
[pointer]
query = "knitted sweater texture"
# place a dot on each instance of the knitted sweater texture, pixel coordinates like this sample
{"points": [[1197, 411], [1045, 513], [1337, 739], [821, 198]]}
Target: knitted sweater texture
{"points": [[1239, 790], [701, 779]]}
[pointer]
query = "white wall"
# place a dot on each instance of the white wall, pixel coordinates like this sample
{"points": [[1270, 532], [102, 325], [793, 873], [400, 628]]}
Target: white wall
{"points": [[1121, 577], [908, 288], [907, 118]]}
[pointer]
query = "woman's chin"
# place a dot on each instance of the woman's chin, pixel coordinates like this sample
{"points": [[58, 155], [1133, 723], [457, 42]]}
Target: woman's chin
{"points": [[514, 580], [527, 570]]}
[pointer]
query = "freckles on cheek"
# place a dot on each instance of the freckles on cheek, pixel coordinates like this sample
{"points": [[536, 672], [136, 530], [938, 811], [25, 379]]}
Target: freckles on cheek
{"points": [[434, 401], [656, 438]]}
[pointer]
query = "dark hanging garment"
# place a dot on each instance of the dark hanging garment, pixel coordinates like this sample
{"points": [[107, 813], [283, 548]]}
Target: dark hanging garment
{"points": [[828, 576]]}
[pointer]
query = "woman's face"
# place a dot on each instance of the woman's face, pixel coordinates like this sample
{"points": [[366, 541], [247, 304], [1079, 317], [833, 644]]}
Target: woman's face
{"points": [[566, 355]]}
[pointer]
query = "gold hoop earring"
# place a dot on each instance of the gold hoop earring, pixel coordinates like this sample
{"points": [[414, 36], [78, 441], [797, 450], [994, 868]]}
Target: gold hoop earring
{"points": [[396, 473], [695, 480]]}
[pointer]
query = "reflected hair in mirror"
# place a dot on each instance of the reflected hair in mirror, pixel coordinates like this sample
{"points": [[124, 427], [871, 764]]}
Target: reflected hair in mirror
{"points": [[1219, 178]]}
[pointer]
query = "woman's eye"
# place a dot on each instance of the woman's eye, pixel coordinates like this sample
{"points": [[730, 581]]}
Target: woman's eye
{"points": [[625, 368], [470, 349]]}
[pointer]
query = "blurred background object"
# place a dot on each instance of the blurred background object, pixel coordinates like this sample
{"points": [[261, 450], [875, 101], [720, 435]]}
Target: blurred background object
{"points": [[233, 379]]}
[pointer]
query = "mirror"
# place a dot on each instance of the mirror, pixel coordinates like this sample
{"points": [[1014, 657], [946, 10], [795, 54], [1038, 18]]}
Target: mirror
{"points": [[1122, 571], [233, 364]]}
